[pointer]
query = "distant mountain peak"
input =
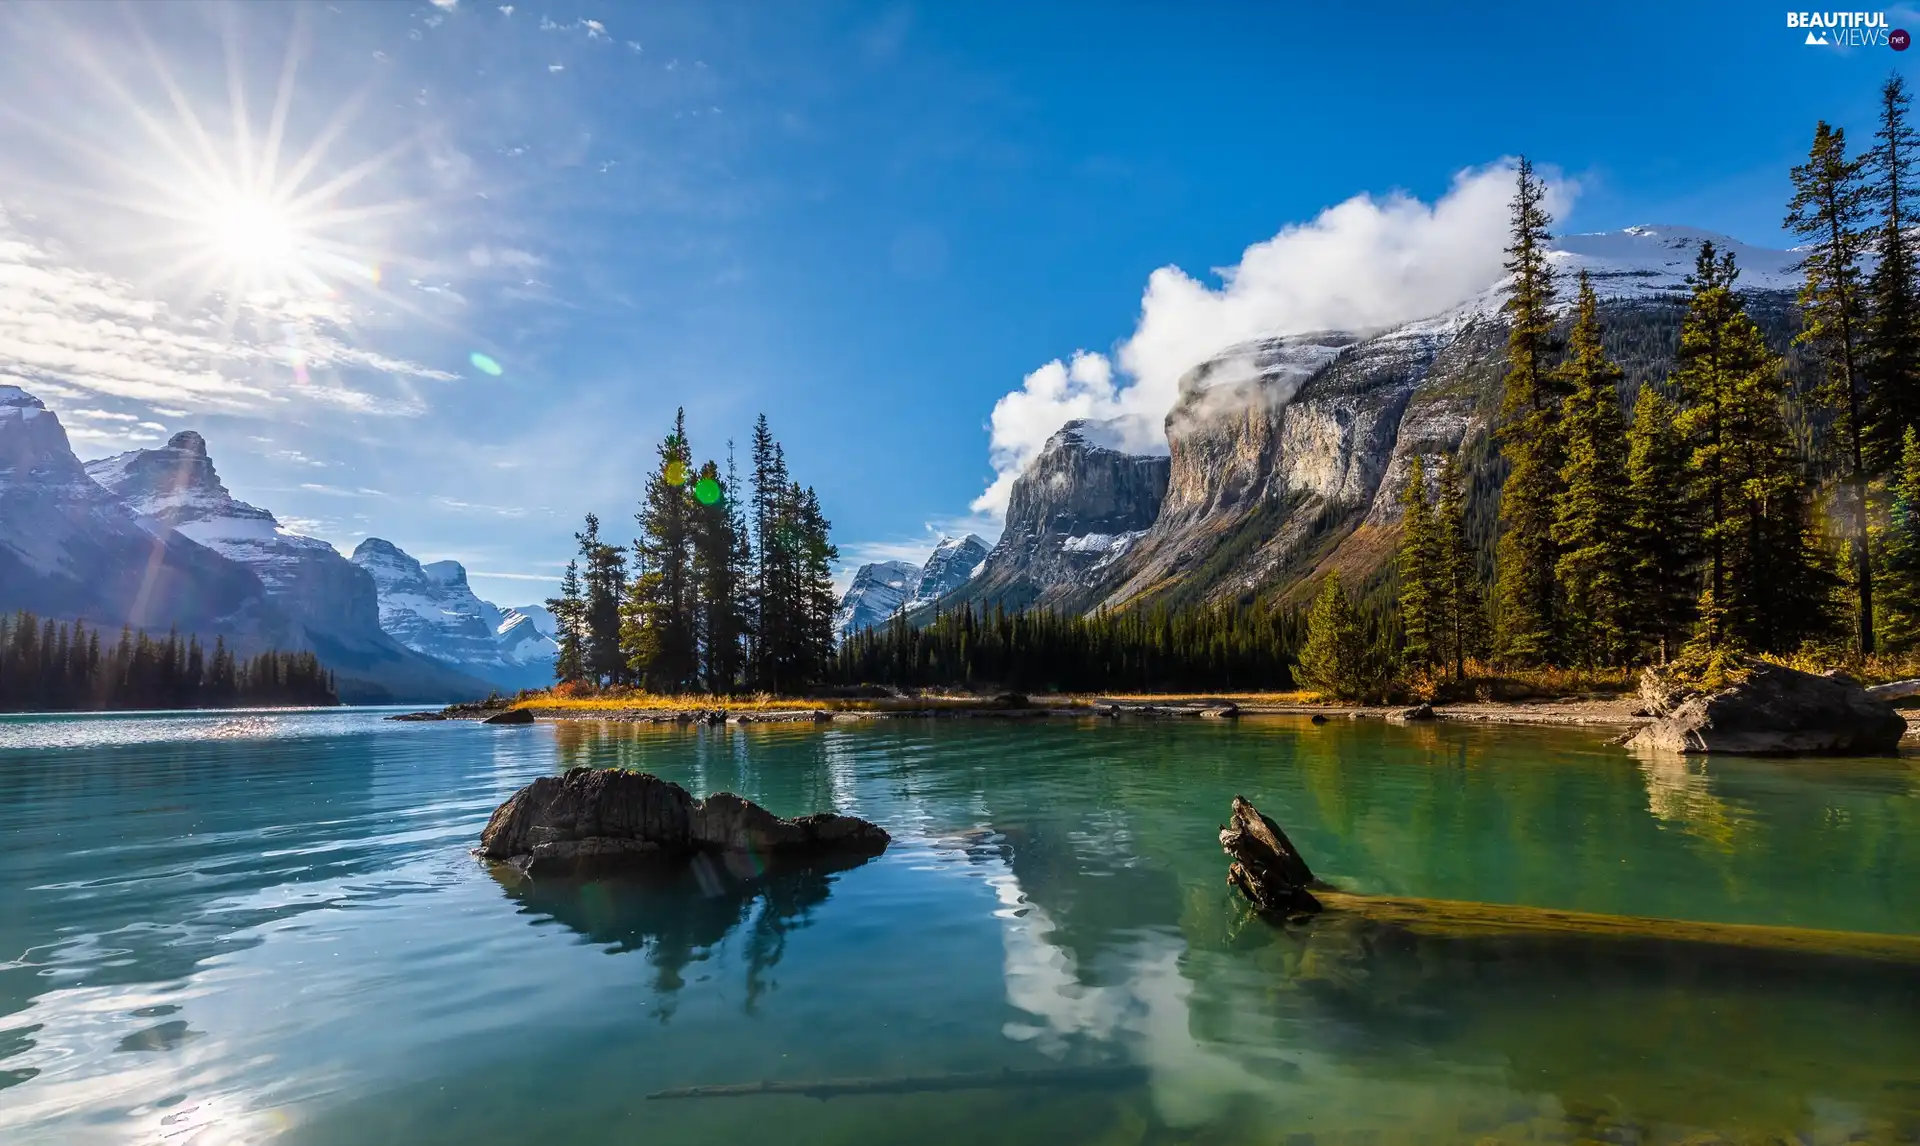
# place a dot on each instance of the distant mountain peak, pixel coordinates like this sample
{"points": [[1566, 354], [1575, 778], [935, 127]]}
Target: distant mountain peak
{"points": [[188, 441], [14, 396]]}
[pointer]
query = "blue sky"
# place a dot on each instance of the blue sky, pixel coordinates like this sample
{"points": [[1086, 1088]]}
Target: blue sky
{"points": [[870, 221]]}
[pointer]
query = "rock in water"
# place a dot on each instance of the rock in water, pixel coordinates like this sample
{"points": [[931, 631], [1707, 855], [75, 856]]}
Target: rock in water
{"points": [[593, 819], [511, 716], [1778, 711]]}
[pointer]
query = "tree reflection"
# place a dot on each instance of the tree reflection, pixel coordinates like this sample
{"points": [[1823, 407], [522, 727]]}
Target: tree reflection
{"points": [[676, 913]]}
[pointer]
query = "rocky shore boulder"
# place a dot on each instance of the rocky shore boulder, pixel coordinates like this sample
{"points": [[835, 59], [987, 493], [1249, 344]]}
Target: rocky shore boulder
{"points": [[1773, 711], [595, 819]]}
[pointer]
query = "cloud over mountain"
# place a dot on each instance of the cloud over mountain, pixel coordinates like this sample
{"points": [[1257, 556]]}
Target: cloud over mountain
{"points": [[1366, 263]]}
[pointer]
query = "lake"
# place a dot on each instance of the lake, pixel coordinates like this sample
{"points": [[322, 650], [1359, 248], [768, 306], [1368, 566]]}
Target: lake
{"points": [[241, 927]]}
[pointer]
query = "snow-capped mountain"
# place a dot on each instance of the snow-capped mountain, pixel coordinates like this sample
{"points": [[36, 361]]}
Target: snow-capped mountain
{"points": [[543, 621], [177, 486], [877, 592], [954, 561], [1286, 453], [432, 610], [71, 549], [883, 588], [330, 602]]}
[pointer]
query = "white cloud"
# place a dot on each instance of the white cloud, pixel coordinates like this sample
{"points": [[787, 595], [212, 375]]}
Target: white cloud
{"points": [[514, 576], [1366, 263], [101, 415], [68, 332], [446, 5]]}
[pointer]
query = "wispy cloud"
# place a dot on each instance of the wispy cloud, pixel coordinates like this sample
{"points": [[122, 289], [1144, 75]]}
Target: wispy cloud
{"points": [[475, 507], [513, 576], [86, 332], [339, 491]]}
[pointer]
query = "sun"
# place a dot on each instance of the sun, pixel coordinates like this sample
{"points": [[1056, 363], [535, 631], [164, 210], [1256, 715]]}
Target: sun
{"points": [[249, 208], [253, 234]]}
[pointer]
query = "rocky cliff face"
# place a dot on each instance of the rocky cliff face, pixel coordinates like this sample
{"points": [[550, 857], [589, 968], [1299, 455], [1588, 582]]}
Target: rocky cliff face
{"points": [[1071, 518], [329, 604], [432, 610], [177, 486], [1288, 453], [70, 549], [954, 562]]}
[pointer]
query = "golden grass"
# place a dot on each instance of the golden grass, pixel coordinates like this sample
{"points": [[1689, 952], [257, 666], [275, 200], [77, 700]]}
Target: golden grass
{"points": [[759, 702]]}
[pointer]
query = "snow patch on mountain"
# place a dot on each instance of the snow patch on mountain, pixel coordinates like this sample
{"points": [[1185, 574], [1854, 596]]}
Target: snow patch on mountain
{"points": [[877, 592], [432, 610], [884, 588]]}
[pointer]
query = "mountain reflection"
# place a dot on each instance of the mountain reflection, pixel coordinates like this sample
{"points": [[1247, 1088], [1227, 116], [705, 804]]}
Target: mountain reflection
{"points": [[675, 914]]}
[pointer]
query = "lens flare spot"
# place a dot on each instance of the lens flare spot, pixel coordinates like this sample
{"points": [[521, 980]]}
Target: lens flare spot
{"points": [[707, 491], [676, 472], [484, 364]]}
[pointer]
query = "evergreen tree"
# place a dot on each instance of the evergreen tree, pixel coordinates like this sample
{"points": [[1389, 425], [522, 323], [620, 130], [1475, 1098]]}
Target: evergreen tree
{"points": [[1530, 437], [769, 603], [659, 616], [604, 583], [1661, 529], [1463, 615], [1334, 661], [1591, 526], [720, 557], [1422, 596], [1766, 579], [1829, 210], [569, 611], [820, 600], [1900, 618], [1892, 366]]}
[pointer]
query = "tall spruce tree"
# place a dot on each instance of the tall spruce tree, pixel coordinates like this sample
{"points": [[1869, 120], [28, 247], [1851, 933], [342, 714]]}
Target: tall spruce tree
{"points": [[719, 559], [1662, 528], [1530, 437], [569, 628], [1422, 595], [604, 584], [1703, 378], [1829, 210], [1593, 510], [1892, 366], [659, 615], [770, 601], [1767, 581], [1463, 615], [1333, 661], [1900, 618]]}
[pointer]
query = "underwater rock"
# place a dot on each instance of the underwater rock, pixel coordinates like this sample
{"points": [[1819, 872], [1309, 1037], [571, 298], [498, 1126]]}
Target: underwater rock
{"points": [[1778, 711], [596, 819]]}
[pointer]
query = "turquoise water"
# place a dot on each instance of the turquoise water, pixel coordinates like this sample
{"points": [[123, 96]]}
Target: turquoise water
{"points": [[251, 927]]}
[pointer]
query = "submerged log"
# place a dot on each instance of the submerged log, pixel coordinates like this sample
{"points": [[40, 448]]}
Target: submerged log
{"points": [[1270, 874], [1266, 869], [1085, 1076]]}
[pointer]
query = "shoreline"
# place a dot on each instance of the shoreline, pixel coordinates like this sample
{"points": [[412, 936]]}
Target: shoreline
{"points": [[1616, 713]]}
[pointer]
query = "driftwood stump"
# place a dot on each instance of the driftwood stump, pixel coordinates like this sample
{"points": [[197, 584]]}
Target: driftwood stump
{"points": [[1266, 869]]}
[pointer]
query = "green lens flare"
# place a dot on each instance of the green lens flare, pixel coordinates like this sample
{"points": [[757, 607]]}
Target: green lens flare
{"points": [[707, 491], [484, 364]]}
